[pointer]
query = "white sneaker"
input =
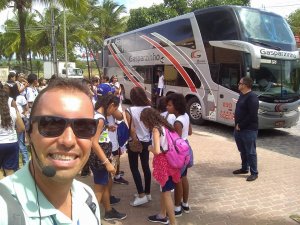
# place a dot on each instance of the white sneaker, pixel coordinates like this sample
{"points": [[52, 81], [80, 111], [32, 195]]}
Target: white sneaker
{"points": [[149, 197], [139, 201]]}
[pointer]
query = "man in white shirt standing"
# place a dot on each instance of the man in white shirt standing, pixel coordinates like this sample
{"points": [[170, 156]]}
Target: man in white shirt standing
{"points": [[161, 82]]}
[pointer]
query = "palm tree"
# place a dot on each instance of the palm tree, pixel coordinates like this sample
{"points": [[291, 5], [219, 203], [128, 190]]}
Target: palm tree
{"points": [[21, 6]]}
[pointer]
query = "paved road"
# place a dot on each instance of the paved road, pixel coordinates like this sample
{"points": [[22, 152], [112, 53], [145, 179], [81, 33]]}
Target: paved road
{"points": [[217, 197]]}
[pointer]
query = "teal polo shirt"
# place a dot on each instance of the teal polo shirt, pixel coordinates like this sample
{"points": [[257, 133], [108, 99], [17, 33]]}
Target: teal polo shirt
{"points": [[22, 187]]}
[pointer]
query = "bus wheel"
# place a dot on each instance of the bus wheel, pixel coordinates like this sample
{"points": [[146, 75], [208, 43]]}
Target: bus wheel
{"points": [[194, 110]]}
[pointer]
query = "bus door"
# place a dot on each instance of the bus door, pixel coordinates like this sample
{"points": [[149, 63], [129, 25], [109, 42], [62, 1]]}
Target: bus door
{"points": [[229, 76], [145, 73], [157, 70]]}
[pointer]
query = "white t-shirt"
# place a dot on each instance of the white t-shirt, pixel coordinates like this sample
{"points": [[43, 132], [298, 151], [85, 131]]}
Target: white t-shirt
{"points": [[9, 135], [113, 134], [9, 101], [161, 81], [142, 132], [21, 103], [21, 85], [31, 93], [185, 122], [162, 140], [170, 117]]}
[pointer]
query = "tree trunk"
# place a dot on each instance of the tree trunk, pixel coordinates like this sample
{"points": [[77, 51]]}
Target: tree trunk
{"points": [[87, 61], [22, 22], [30, 61], [98, 68]]}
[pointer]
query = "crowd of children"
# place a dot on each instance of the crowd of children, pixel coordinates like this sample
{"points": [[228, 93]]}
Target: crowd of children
{"points": [[146, 125]]}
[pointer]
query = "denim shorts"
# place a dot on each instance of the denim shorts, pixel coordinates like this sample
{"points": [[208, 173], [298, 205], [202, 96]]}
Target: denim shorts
{"points": [[100, 176], [9, 156], [168, 186]]}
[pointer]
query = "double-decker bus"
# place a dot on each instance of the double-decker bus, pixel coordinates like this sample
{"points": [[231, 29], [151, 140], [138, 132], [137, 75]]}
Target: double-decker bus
{"points": [[204, 54]]}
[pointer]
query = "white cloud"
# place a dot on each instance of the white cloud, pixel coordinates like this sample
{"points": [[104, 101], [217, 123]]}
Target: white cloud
{"points": [[283, 8]]}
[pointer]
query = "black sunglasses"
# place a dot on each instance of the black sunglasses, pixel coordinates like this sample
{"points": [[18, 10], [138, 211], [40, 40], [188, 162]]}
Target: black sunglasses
{"points": [[54, 126]]}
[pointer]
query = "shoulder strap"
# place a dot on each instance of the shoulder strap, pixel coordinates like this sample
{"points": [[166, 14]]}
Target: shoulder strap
{"points": [[130, 113], [91, 204], [14, 209]]}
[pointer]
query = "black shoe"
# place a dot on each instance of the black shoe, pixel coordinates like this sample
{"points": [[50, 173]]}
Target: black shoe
{"points": [[240, 171], [156, 219], [113, 200], [85, 173], [178, 213], [120, 180], [121, 173], [114, 215], [185, 209], [252, 177]]}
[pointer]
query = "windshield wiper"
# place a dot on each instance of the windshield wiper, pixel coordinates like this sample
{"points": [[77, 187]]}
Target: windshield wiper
{"points": [[266, 45]]}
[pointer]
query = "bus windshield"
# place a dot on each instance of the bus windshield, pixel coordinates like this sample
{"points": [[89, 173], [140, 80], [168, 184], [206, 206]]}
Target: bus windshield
{"points": [[265, 28], [276, 80]]}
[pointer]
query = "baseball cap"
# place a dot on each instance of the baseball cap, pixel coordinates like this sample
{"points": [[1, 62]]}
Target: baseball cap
{"points": [[104, 89]]}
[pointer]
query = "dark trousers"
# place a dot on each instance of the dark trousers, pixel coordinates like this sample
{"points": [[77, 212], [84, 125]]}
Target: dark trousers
{"points": [[134, 167], [246, 143]]}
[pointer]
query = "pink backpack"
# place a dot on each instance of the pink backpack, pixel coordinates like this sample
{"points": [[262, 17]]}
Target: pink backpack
{"points": [[178, 154]]}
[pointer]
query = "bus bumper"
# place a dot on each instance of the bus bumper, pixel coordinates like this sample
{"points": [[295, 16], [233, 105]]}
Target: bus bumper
{"points": [[269, 120]]}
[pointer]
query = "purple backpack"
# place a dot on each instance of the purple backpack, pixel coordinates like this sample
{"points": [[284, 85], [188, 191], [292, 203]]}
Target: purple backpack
{"points": [[178, 154]]}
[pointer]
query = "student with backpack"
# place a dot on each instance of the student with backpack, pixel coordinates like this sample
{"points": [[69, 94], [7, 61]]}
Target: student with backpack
{"points": [[164, 174], [100, 158], [176, 105]]}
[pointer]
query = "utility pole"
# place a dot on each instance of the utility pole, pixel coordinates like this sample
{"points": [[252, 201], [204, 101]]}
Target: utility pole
{"points": [[65, 43], [53, 39]]}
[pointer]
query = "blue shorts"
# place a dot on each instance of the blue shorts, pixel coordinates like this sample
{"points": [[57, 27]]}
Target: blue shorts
{"points": [[100, 176], [9, 156], [184, 172], [170, 185]]}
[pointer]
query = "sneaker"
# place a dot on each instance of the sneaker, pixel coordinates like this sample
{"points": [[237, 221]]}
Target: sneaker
{"points": [[114, 215], [240, 171], [139, 201], [85, 173], [113, 200], [120, 180], [252, 177], [186, 209], [178, 213], [156, 219], [121, 173], [149, 197]]}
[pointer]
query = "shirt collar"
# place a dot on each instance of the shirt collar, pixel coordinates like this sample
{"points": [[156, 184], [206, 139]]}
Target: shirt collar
{"points": [[25, 189]]}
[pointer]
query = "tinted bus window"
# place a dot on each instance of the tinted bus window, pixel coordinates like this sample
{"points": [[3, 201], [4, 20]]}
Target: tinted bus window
{"points": [[174, 78], [179, 32], [217, 25]]}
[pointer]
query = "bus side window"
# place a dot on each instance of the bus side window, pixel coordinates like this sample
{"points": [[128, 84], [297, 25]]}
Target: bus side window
{"points": [[229, 76]]}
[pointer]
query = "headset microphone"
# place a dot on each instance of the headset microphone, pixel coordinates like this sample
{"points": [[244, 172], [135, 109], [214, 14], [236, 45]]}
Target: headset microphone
{"points": [[48, 171]]}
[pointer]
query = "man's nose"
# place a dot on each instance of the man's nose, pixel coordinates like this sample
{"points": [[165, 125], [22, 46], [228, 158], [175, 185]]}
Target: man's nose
{"points": [[68, 138]]}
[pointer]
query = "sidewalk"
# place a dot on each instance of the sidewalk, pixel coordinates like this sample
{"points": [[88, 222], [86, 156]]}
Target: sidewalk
{"points": [[217, 197]]}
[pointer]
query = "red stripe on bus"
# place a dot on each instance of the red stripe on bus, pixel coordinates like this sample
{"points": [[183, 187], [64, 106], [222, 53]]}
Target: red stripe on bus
{"points": [[122, 66], [179, 68]]}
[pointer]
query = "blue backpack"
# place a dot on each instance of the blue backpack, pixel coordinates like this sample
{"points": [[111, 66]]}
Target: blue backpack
{"points": [[123, 133]]}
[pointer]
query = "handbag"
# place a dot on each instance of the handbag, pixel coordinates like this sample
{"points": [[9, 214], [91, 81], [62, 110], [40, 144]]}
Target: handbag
{"points": [[134, 145]]}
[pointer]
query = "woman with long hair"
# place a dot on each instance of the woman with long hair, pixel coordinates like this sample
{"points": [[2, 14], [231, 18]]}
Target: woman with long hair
{"points": [[163, 173], [9, 148], [139, 133]]}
